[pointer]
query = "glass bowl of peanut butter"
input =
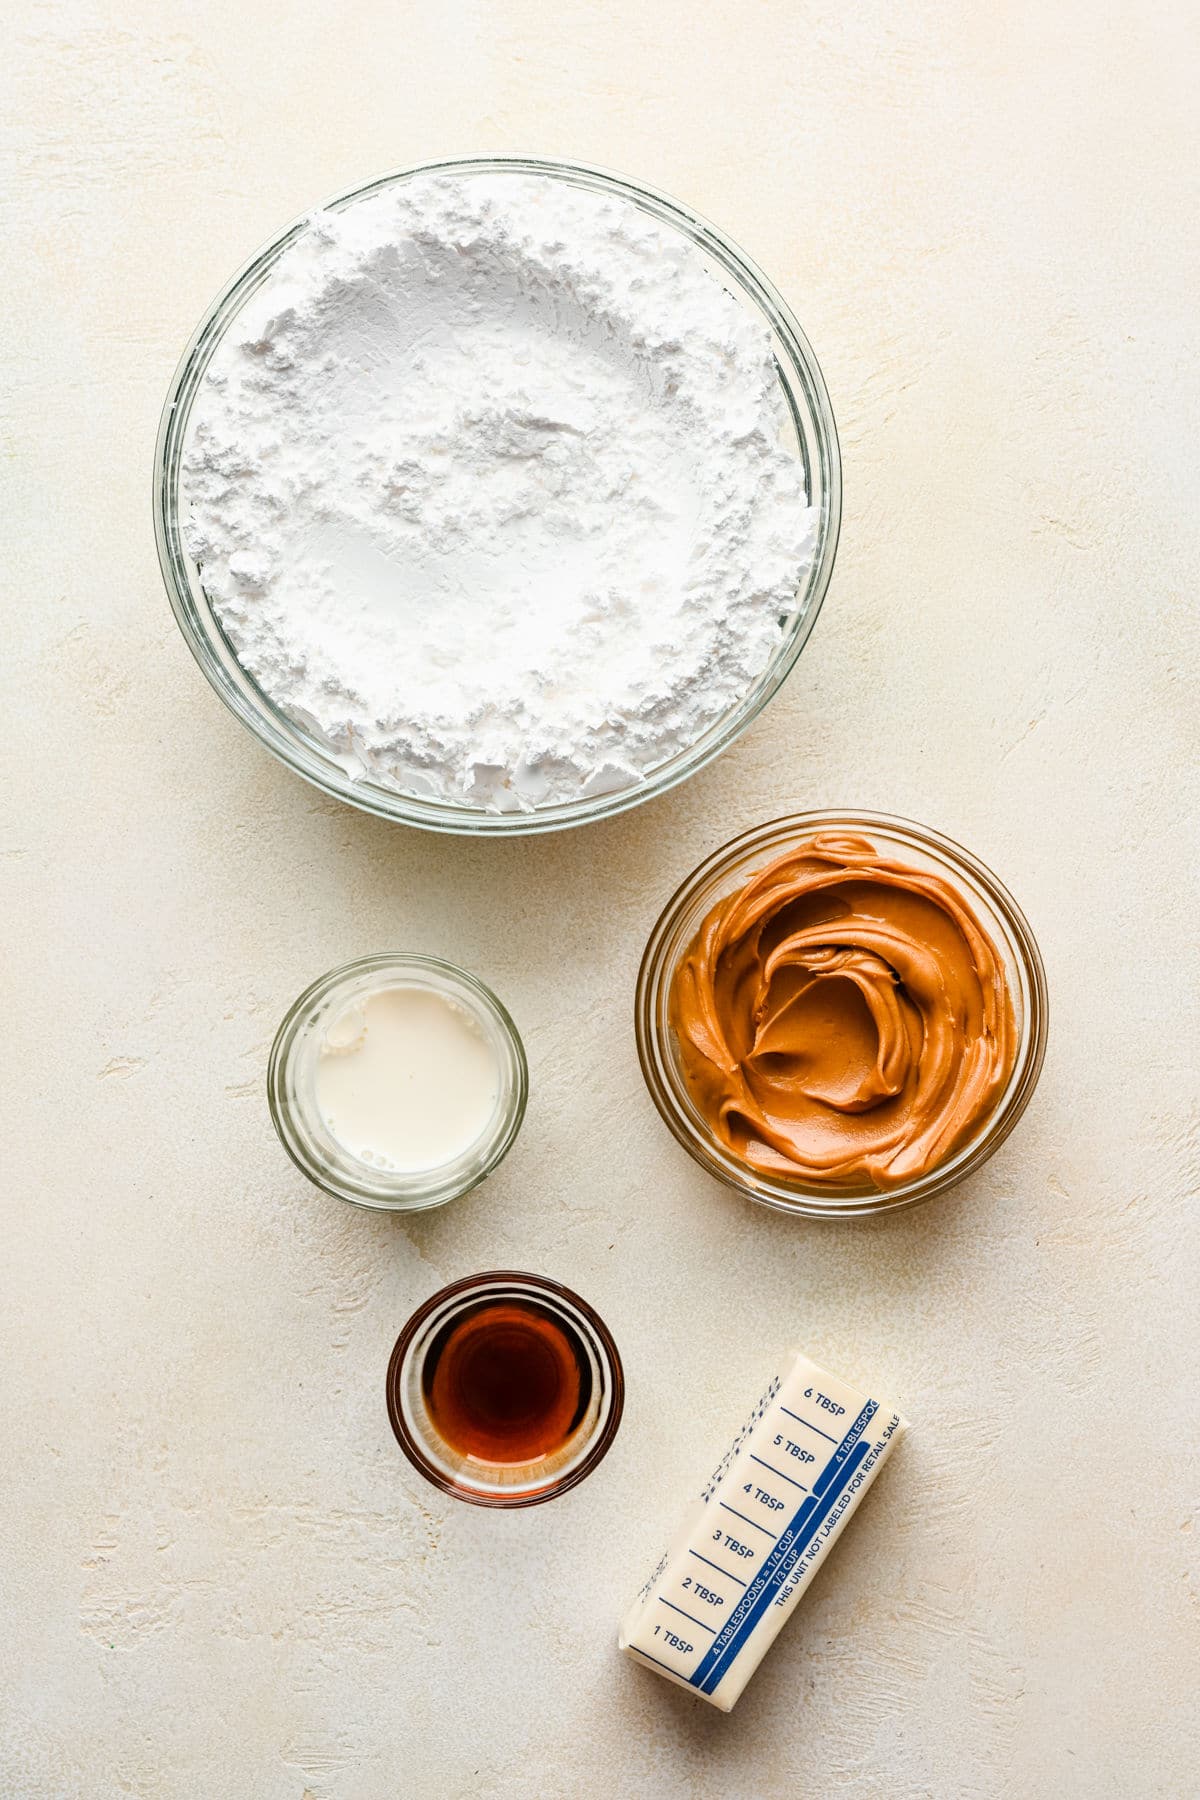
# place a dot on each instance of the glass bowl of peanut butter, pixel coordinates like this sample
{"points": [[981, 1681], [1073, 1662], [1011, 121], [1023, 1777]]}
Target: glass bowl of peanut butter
{"points": [[842, 1013]]}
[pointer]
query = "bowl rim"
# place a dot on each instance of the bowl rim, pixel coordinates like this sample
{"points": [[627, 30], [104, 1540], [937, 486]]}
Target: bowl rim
{"points": [[803, 385], [809, 1200]]}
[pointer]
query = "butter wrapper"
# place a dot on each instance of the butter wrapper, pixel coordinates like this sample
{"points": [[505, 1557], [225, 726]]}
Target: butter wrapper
{"points": [[755, 1537]]}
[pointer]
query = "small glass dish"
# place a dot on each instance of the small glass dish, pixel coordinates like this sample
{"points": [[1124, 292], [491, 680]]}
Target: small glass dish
{"points": [[291, 1084], [482, 1483], [811, 434], [726, 870]]}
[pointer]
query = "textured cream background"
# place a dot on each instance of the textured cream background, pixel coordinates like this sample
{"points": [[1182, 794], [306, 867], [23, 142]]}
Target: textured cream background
{"points": [[218, 1577]]}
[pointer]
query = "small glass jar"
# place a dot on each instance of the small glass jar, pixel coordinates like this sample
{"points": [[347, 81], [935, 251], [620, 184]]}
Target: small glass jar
{"points": [[291, 1084], [483, 1482], [727, 870]]}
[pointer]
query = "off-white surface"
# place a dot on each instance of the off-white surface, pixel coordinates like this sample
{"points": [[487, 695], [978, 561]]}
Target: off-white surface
{"points": [[219, 1578]]}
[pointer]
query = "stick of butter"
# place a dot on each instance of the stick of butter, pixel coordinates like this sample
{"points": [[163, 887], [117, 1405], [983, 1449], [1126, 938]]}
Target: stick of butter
{"points": [[754, 1539]]}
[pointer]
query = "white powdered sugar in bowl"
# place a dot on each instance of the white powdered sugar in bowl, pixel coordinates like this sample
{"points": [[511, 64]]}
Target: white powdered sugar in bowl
{"points": [[489, 486]]}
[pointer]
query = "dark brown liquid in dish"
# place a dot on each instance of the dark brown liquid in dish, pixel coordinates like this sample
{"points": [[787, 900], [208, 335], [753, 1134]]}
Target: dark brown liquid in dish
{"points": [[507, 1383]]}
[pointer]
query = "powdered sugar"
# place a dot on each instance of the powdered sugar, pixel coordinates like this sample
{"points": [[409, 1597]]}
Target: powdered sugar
{"points": [[487, 486]]}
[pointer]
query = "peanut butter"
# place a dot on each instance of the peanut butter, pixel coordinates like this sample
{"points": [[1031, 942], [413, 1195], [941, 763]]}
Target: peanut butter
{"points": [[844, 1019]]}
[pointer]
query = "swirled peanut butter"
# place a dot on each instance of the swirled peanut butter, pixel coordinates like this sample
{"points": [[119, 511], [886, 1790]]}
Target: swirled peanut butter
{"points": [[843, 1018]]}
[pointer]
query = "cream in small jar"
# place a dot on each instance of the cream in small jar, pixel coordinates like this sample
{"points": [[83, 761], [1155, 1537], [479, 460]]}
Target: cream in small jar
{"points": [[398, 1081], [405, 1079]]}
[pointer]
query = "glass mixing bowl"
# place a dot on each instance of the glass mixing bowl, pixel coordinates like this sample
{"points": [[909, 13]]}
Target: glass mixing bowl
{"points": [[812, 434], [727, 870]]}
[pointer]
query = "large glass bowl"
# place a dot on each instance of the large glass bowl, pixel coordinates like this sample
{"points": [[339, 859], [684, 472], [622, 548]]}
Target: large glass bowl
{"points": [[727, 870], [812, 434]]}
